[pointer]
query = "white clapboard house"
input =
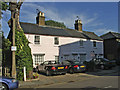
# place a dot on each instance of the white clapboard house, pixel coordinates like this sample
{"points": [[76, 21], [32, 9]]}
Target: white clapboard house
{"points": [[53, 43]]}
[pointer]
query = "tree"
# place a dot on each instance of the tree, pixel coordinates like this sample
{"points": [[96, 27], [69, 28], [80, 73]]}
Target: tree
{"points": [[3, 7], [6, 44], [55, 24], [23, 53]]}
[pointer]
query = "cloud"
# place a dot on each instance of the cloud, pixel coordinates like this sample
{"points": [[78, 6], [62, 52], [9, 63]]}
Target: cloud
{"points": [[5, 18], [103, 31], [68, 17]]}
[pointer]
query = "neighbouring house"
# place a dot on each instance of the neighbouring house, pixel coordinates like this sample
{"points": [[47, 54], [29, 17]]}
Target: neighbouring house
{"points": [[111, 42], [46, 41]]}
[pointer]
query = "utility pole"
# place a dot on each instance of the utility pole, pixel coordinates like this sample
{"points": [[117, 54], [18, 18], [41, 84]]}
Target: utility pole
{"points": [[13, 51], [13, 47], [14, 24]]}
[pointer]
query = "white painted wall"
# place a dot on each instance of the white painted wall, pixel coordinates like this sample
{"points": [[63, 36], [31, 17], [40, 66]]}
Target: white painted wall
{"points": [[47, 46], [69, 45], [75, 48]]}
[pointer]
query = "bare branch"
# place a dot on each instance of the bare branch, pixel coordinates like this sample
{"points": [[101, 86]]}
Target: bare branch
{"points": [[20, 3]]}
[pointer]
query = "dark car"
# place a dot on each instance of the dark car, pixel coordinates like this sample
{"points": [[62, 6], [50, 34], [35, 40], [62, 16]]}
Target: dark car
{"points": [[74, 66], [50, 68], [7, 83], [103, 63]]}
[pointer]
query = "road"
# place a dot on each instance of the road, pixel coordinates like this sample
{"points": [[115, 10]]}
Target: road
{"points": [[101, 79], [99, 82]]}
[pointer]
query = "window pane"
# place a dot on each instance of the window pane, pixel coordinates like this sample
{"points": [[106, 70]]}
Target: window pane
{"points": [[56, 59], [82, 57], [81, 42], [38, 59], [94, 44], [37, 40], [56, 41]]}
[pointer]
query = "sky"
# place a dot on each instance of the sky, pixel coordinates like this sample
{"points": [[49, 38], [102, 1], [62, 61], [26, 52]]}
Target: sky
{"points": [[97, 17]]}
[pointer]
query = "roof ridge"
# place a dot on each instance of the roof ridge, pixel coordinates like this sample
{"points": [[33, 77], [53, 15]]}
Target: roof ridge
{"points": [[43, 25]]}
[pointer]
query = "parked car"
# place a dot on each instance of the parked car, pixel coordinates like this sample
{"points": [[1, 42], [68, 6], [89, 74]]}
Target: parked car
{"points": [[74, 66], [103, 63], [8, 83], [50, 68]]}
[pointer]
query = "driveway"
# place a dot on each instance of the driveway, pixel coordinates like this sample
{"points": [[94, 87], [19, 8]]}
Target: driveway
{"points": [[43, 80]]}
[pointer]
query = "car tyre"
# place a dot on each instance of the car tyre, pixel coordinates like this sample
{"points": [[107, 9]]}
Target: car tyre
{"points": [[102, 67], [48, 73], [71, 71], [4, 87], [83, 71], [63, 73]]}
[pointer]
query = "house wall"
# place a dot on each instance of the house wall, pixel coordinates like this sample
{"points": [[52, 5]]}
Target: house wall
{"points": [[67, 45], [47, 46], [87, 49], [111, 49]]}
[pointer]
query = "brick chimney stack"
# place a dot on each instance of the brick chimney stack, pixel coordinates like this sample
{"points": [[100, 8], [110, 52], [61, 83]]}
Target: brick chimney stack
{"points": [[78, 25], [40, 19]]}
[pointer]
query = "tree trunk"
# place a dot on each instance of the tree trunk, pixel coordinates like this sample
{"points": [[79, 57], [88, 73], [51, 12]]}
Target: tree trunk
{"points": [[15, 11]]}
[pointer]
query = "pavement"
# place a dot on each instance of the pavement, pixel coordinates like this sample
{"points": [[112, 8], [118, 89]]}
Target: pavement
{"points": [[106, 72], [49, 80]]}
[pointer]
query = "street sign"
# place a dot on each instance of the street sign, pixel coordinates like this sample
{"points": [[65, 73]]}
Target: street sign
{"points": [[13, 48]]}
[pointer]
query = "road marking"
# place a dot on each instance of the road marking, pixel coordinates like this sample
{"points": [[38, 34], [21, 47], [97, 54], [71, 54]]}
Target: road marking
{"points": [[108, 87]]}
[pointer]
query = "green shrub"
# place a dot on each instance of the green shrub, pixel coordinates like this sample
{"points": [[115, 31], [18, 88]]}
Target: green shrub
{"points": [[23, 54]]}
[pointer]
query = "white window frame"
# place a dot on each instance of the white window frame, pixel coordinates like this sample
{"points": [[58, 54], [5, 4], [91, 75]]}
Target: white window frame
{"points": [[36, 41], [56, 40], [56, 58], [38, 59]]}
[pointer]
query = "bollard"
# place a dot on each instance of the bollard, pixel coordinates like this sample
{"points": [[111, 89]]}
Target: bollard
{"points": [[24, 73]]}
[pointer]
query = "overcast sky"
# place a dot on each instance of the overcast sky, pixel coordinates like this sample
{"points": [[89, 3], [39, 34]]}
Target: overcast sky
{"points": [[98, 17]]}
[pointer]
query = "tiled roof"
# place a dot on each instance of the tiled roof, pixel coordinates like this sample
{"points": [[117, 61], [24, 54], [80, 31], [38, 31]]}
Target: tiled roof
{"points": [[110, 35], [30, 28]]}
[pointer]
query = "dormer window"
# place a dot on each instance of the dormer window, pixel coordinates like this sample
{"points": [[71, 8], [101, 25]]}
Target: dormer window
{"points": [[94, 44], [37, 40], [56, 41]]}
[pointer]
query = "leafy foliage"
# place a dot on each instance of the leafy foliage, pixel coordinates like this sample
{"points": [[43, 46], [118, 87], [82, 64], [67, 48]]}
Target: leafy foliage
{"points": [[4, 5], [6, 44], [55, 24], [23, 54]]}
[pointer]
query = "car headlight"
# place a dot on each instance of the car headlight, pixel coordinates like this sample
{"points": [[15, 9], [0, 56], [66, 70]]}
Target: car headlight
{"points": [[14, 80]]}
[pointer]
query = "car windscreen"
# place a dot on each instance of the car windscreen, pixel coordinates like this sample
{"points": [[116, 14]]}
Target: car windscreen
{"points": [[66, 62], [49, 62], [104, 59], [76, 62]]}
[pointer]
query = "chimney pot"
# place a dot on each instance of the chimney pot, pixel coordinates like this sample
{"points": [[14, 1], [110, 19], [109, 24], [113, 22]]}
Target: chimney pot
{"points": [[78, 25], [40, 19]]}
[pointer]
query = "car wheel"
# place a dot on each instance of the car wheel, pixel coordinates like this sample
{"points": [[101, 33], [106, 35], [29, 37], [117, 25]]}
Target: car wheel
{"points": [[48, 73], [71, 71], [63, 73], [83, 71], [102, 67], [4, 86]]}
